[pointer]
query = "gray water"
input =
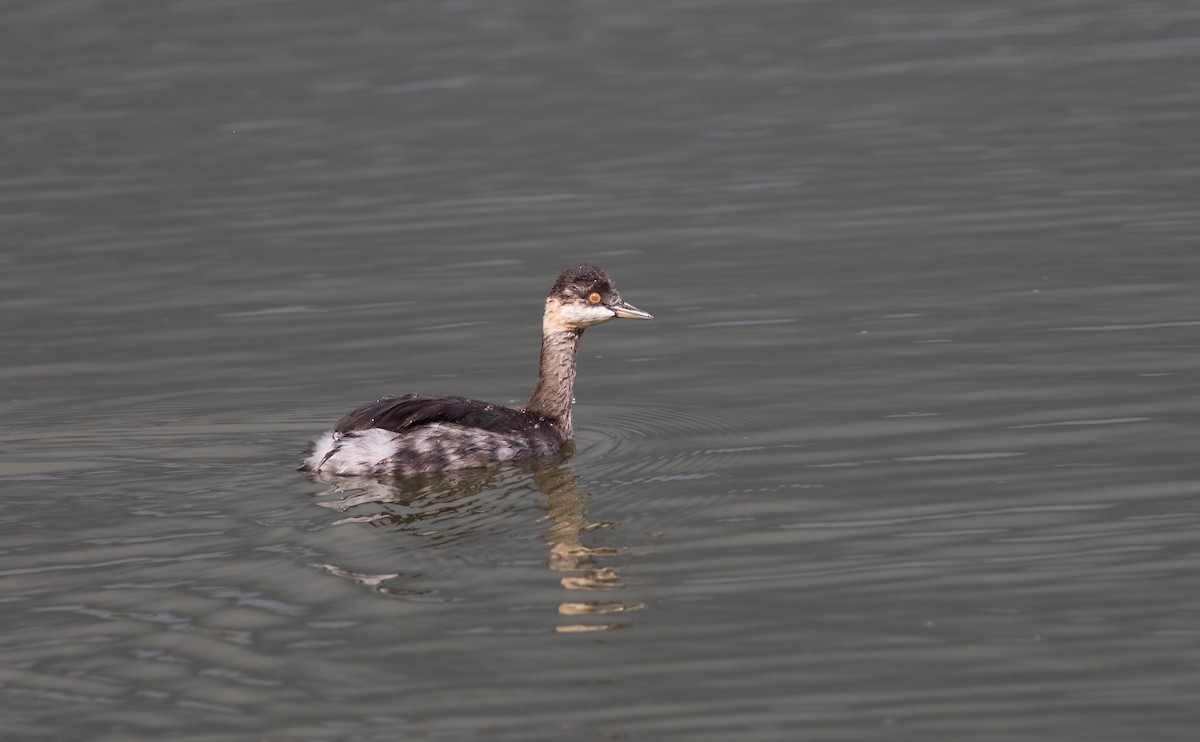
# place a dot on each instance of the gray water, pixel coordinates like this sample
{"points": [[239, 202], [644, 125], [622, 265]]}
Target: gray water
{"points": [[909, 451]]}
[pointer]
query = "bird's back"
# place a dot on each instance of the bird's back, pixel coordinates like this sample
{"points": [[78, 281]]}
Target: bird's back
{"points": [[396, 436]]}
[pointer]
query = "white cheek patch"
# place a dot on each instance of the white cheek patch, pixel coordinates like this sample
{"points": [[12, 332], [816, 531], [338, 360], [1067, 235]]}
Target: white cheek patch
{"points": [[585, 316]]}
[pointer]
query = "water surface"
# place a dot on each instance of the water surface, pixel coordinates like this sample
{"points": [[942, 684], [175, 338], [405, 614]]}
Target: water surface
{"points": [[908, 452]]}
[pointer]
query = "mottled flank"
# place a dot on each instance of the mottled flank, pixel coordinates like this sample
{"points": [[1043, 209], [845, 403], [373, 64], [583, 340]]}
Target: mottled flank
{"points": [[430, 448], [414, 434]]}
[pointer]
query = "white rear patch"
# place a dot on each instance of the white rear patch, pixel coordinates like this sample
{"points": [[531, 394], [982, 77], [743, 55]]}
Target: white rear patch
{"points": [[359, 453]]}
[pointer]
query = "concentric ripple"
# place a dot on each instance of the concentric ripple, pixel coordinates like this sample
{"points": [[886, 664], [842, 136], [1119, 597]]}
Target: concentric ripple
{"points": [[649, 443]]}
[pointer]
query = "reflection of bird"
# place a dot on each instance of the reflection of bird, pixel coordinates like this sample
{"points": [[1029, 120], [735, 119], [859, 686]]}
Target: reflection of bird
{"points": [[417, 433]]}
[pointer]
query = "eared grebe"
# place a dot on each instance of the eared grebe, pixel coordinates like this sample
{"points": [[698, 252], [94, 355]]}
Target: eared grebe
{"points": [[397, 436]]}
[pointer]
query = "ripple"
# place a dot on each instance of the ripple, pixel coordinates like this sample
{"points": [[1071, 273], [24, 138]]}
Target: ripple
{"points": [[1122, 327], [665, 443], [267, 124], [657, 465], [1072, 423], [656, 421]]}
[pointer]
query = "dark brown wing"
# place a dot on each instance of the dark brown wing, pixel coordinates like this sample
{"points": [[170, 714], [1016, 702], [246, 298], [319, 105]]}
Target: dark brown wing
{"points": [[399, 414]]}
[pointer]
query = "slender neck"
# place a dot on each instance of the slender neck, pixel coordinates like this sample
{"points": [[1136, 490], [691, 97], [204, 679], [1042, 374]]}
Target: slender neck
{"points": [[554, 394]]}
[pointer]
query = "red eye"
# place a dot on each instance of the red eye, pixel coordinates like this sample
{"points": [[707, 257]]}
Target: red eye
{"points": [[594, 298]]}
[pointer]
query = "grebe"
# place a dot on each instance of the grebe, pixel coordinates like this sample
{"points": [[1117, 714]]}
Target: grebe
{"points": [[413, 434]]}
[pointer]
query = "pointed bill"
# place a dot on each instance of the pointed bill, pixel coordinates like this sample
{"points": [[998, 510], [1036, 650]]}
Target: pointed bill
{"points": [[629, 311]]}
